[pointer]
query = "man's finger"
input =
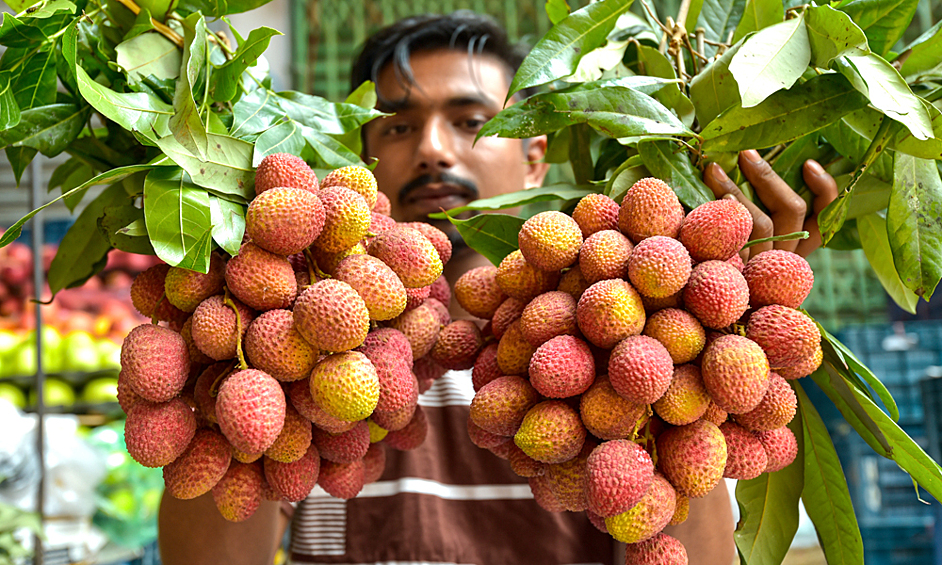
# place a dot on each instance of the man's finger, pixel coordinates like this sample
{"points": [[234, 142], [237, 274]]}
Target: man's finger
{"points": [[786, 209], [824, 188], [723, 187]]}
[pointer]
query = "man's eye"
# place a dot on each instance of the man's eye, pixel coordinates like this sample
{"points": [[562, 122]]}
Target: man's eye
{"points": [[474, 123], [397, 129]]}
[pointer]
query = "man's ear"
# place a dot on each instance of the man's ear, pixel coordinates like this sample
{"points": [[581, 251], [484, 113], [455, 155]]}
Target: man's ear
{"points": [[536, 166]]}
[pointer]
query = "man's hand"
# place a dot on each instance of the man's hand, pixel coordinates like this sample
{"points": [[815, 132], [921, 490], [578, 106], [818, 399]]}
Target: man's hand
{"points": [[787, 210]]}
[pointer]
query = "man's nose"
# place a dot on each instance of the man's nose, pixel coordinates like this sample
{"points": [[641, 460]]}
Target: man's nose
{"points": [[436, 150]]}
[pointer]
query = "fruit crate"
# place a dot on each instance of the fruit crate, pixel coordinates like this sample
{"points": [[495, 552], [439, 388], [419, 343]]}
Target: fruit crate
{"points": [[897, 545]]}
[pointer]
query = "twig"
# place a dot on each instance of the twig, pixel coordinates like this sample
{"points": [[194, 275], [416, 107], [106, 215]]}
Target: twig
{"points": [[173, 36]]}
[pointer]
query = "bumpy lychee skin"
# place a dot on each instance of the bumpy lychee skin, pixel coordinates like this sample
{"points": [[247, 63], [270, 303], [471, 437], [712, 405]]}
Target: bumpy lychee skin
{"points": [[550, 241], [295, 480], [569, 480], [327, 261], [551, 432], [383, 205], [440, 290], [640, 369], [562, 367], [214, 326], [776, 409], [397, 384], [619, 474], [421, 326], [746, 457], [291, 444], [788, 336], [659, 266], [410, 254], [197, 470], [262, 280], [274, 345], [356, 178], [682, 510], [342, 480], [483, 438], [345, 385], [804, 368], [148, 298], [478, 293], [607, 415], [284, 220], [519, 279], [573, 282], [594, 213], [778, 277], [155, 362], [374, 463], [736, 373], [609, 311], [393, 339], [659, 550], [686, 400], [549, 315], [716, 294], [523, 465], [692, 457], [458, 345], [437, 237], [185, 289], [157, 433], [650, 208], [501, 405], [485, 367], [346, 219], [716, 230], [543, 494], [604, 255], [299, 393], [412, 435], [332, 316], [780, 446], [250, 408], [398, 419], [507, 313], [346, 447], [646, 518], [514, 351], [376, 283], [678, 331], [126, 395], [715, 414], [239, 492], [284, 169]]}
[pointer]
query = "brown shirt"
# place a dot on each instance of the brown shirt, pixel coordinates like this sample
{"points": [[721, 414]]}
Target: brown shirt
{"points": [[448, 502]]}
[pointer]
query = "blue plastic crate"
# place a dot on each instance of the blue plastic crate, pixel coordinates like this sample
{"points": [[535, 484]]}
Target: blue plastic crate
{"points": [[890, 545]]}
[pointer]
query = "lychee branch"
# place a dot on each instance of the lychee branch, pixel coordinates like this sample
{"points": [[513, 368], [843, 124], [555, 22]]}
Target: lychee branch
{"points": [[784, 237], [173, 36], [228, 301]]}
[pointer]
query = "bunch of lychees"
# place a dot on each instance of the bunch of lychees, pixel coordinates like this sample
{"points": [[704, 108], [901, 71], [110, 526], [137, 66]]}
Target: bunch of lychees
{"points": [[633, 361], [296, 361]]}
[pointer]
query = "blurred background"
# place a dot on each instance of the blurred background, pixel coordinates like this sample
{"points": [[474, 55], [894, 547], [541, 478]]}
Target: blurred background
{"points": [[100, 506]]}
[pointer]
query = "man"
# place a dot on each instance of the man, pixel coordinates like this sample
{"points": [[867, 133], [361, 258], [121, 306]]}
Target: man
{"points": [[450, 502]]}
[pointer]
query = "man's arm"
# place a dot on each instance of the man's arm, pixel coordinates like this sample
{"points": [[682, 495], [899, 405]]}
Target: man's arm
{"points": [[192, 532]]}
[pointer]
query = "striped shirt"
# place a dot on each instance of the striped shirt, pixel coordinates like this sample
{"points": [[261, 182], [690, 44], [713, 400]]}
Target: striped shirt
{"points": [[448, 502]]}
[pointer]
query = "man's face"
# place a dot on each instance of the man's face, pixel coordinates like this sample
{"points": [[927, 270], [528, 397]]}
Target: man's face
{"points": [[426, 160]]}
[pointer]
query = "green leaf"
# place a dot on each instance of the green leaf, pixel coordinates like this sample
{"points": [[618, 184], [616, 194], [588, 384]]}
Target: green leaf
{"points": [[863, 372], [654, 63], [239, 6], [832, 34], [48, 129], [888, 92], [9, 110], [851, 144], [16, 33], [758, 14], [364, 96], [120, 225], [870, 195], [226, 77], [926, 149], [254, 113], [19, 158], [228, 220], [326, 117], [135, 111], [924, 57], [826, 498], [83, 250], [773, 59], [492, 235], [783, 116], [209, 8], [532, 117], [714, 89], [330, 153], [833, 378], [36, 83], [142, 24], [107, 177], [768, 506], [884, 21], [69, 175], [557, 10], [675, 169], [178, 217], [286, 137], [789, 165], [186, 124], [149, 54], [618, 112], [227, 168], [719, 19], [558, 52], [876, 245], [519, 198], [914, 223], [49, 8]]}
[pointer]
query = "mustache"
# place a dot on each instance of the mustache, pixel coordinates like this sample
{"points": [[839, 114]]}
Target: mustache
{"points": [[442, 178]]}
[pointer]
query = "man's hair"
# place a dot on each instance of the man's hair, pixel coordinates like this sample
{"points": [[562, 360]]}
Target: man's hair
{"points": [[462, 30]]}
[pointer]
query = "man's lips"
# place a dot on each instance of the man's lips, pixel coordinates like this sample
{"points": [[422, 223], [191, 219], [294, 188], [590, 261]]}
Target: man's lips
{"points": [[438, 195]]}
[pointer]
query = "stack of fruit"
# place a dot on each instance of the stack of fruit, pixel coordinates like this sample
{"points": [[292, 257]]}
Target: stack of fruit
{"points": [[295, 362], [636, 361]]}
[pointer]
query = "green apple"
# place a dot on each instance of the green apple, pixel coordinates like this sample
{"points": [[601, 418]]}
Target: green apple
{"points": [[11, 392], [101, 390], [23, 359], [79, 352], [8, 343], [109, 354], [52, 349], [56, 392]]}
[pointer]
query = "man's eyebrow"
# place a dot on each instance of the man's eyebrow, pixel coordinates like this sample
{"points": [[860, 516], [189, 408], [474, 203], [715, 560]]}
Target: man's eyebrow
{"points": [[460, 101]]}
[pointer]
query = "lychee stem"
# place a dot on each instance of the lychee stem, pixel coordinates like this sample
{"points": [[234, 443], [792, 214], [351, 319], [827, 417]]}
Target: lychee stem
{"points": [[214, 388], [153, 314], [242, 364]]}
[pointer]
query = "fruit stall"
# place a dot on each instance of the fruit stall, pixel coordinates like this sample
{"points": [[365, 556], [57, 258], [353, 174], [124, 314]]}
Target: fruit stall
{"points": [[203, 290]]}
